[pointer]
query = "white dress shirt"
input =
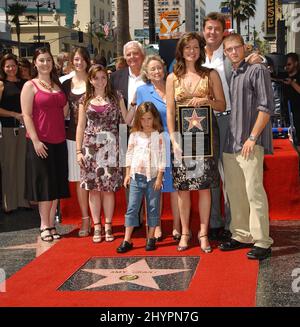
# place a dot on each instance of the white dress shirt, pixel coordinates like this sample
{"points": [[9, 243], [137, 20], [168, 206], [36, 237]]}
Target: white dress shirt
{"points": [[217, 63], [133, 83]]}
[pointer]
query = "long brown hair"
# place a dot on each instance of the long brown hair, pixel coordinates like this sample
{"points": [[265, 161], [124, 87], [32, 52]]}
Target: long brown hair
{"points": [[8, 56], [180, 66], [108, 92], [142, 109], [84, 54], [53, 74]]}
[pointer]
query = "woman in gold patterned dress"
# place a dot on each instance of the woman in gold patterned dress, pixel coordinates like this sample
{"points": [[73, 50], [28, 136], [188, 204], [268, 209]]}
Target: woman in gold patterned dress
{"points": [[194, 86]]}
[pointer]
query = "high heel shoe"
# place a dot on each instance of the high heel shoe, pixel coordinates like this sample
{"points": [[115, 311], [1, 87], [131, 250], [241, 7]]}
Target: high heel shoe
{"points": [[176, 235], [109, 237], [185, 247], [97, 234], [207, 249], [85, 228]]}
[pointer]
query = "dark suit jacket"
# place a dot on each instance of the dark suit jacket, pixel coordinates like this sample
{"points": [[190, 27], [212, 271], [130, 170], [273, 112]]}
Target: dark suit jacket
{"points": [[119, 81]]}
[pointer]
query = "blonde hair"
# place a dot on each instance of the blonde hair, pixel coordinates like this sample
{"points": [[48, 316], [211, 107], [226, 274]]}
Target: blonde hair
{"points": [[146, 64]]}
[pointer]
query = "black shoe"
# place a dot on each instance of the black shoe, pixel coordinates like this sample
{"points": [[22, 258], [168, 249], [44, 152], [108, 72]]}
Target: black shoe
{"points": [[124, 247], [258, 253], [234, 245], [225, 236], [214, 233], [150, 245]]}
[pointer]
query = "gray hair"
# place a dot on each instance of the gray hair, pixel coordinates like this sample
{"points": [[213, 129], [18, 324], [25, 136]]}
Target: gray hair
{"points": [[146, 62], [134, 44]]}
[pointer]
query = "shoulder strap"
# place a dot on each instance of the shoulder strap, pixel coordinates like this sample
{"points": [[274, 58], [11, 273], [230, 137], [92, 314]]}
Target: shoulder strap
{"points": [[34, 83]]}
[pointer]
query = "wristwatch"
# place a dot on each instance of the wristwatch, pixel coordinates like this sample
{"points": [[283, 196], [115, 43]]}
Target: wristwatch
{"points": [[252, 138]]}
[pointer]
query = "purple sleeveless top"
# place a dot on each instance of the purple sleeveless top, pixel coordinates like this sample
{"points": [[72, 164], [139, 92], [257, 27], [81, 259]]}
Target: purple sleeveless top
{"points": [[48, 115]]}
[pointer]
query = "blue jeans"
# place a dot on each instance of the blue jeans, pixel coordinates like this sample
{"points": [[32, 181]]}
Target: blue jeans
{"points": [[139, 187]]}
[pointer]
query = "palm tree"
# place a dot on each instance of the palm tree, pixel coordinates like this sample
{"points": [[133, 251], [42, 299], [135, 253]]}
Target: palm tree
{"points": [[16, 10], [242, 10], [123, 35]]}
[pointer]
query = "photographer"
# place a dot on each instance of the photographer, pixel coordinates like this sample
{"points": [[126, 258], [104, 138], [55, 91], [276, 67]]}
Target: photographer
{"points": [[291, 91]]}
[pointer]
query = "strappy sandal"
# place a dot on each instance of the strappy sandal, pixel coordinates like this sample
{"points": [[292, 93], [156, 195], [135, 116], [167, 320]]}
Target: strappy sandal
{"points": [[83, 232], [109, 237], [185, 247], [97, 238], [46, 235], [176, 235], [54, 234], [207, 249]]}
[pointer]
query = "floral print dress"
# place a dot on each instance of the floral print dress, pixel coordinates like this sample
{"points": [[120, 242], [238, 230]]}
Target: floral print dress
{"points": [[100, 148]]}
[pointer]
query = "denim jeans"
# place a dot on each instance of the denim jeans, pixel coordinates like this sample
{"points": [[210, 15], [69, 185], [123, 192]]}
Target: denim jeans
{"points": [[140, 188]]}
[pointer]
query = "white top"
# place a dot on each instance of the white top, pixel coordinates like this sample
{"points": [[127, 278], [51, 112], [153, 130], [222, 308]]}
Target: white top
{"points": [[66, 77], [133, 83], [146, 155], [217, 63]]}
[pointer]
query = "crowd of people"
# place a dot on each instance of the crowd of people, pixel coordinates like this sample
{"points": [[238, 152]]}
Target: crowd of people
{"points": [[40, 154]]}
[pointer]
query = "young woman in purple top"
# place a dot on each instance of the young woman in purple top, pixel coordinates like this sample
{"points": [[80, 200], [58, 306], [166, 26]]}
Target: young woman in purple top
{"points": [[44, 106]]}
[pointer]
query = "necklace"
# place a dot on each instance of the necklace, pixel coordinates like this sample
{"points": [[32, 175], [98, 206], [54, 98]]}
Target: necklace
{"points": [[47, 86], [99, 98]]}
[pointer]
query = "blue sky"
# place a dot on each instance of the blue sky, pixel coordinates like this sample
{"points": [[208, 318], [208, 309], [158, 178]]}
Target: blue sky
{"points": [[213, 5]]}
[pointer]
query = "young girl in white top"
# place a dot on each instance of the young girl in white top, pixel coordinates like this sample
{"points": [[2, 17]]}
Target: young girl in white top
{"points": [[145, 165]]}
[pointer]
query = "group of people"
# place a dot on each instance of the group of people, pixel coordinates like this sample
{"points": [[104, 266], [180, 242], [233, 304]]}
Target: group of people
{"points": [[211, 72]]}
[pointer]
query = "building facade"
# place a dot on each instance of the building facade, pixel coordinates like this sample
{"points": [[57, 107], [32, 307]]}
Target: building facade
{"points": [[190, 14], [91, 17], [59, 27], [200, 13]]}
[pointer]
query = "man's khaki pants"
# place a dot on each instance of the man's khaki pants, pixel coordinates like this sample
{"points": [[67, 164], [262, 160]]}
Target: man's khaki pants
{"points": [[247, 197]]}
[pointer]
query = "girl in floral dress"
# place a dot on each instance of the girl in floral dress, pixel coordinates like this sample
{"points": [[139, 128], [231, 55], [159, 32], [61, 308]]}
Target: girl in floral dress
{"points": [[97, 147]]}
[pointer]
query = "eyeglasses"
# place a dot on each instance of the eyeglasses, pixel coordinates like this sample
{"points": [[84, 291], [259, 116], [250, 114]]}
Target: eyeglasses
{"points": [[231, 49]]}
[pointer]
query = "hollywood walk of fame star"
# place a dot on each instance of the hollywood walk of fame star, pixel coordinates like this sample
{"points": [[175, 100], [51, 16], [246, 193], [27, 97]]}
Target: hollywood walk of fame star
{"points": [[194, 121], [138, 273]]}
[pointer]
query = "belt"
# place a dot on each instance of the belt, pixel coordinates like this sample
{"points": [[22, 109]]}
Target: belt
{"points": [[224, 113]]}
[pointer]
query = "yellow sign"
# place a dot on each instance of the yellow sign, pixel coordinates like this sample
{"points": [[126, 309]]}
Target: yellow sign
{"points": [[169, 21], [271, 18]]}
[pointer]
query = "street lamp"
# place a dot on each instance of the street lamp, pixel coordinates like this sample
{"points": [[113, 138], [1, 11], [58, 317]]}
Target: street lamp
{"points": [[51, 6]]}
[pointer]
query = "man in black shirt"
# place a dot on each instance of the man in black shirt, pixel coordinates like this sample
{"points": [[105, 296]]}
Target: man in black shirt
{"points": [[292, 91]]}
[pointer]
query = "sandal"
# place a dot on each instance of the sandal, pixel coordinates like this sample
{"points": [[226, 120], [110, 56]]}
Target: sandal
{"points": [[184, 247], [46, 235], [54, 234], [176, 235], [108, 233], [85, 228], [206, 249], [97, 234]]}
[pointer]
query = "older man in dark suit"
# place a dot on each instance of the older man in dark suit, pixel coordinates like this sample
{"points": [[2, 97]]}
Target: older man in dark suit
{"points": [[128, 79]]}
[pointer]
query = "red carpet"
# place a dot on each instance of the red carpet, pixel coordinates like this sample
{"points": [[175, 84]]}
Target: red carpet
{"points": [[282, 183], [221, 279]]}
